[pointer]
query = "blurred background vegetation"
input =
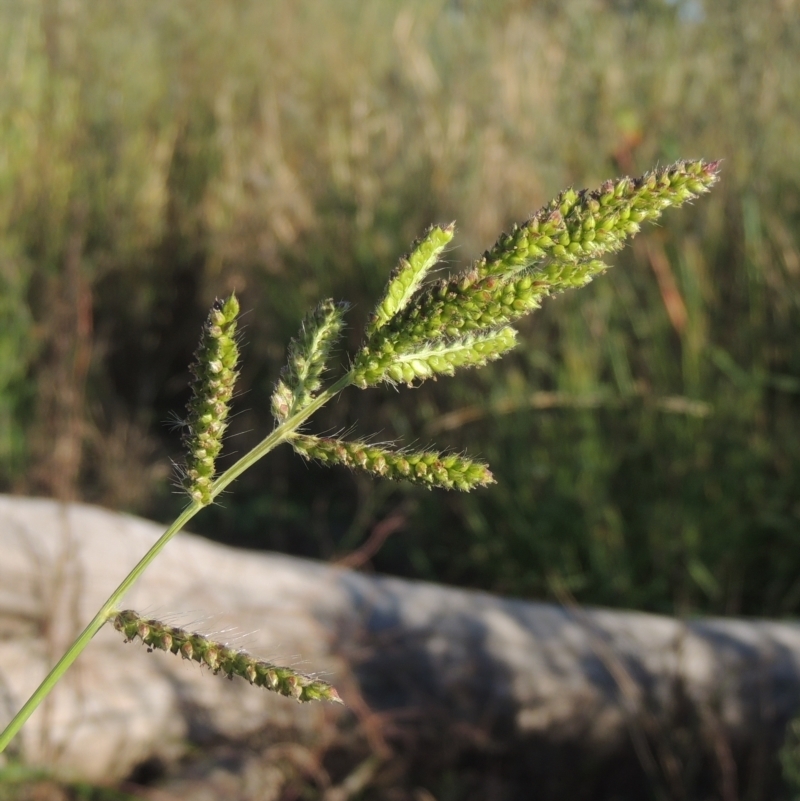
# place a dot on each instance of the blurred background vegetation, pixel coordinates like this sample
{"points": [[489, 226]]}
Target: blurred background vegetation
{"points": [[645, 437]]}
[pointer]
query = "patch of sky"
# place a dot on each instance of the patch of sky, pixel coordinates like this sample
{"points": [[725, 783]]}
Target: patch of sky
{"points": [[689, 10]]}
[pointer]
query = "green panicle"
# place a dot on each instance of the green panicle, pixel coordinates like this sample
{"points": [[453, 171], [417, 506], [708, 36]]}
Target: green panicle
{"points": [[308, 355], [584, 225], [406, 361], [220, 658], [558, 249], [409, 274], [214, 375], [429, 468], [467, 303]]}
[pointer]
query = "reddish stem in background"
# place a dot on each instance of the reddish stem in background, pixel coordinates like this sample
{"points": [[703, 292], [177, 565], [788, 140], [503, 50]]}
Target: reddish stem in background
{"points": [[380, 533]]}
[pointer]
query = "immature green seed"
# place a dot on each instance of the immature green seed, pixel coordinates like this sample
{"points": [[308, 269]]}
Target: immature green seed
{"points": [[214, 375]]}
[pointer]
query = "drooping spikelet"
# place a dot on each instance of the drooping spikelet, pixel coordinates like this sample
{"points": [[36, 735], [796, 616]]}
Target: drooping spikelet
{"points": [[308, 355], [214, 375], [221, 658], [428, 468]]}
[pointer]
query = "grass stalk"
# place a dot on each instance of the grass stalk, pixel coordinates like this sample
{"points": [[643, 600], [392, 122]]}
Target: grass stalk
{"points": [[111, 607], [418, 333]]}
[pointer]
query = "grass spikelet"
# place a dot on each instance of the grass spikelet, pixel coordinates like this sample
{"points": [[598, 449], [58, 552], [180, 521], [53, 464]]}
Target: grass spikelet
{"points": [[403, 360], [468, 303], [463, 320], [308, 355], [409, 274], [583, 225], [214, 375], [557, 249], [220, 658], [428, 468], [417, 332]]}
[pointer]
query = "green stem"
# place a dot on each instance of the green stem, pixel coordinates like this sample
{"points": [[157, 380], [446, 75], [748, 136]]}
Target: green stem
{"points": [[111, 606], [279, 435], [108, 609]]}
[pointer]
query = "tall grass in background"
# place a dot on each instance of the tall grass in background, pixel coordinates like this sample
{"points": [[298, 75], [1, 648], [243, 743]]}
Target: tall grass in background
{"points": [[646, 443]]}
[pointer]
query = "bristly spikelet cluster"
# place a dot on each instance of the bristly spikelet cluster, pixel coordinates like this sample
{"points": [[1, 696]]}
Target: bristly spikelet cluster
{"points": [[214, 375], [394, 360], [462, 320], [422, 329], [419, 331], [221, 658], [428, 468], [578, 226], [410, 273], [308, 354]]}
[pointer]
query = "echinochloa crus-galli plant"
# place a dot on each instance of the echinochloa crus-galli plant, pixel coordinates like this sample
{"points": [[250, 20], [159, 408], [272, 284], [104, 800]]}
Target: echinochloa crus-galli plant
{"points": [[420, 329]]}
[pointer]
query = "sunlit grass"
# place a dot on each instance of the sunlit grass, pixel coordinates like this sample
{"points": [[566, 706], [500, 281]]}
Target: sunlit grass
{"points": [[154, 156]]}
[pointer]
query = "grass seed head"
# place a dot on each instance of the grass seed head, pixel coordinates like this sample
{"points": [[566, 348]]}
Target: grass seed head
{"points": [[214, 376], [220, 658]]}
